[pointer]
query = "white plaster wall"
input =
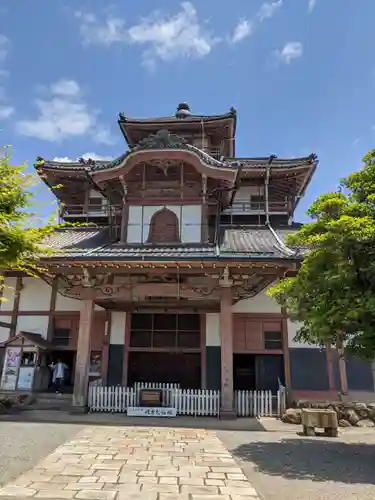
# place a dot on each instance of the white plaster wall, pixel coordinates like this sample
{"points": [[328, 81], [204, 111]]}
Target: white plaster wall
{"points": [[191, 224], [8, 294], [33, 324], [35, 295], [293, 328], [189, 217], [117, 333], [4, 331], [213, 329], [261, 304], [244, 193], [67, 304]]}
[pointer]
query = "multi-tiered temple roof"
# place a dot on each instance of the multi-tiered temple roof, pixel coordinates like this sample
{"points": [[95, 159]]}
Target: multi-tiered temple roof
{"points": [[163, 143]]}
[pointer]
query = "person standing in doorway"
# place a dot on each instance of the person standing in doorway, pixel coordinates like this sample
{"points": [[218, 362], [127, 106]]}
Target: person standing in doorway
{"points": [[59, 371]]}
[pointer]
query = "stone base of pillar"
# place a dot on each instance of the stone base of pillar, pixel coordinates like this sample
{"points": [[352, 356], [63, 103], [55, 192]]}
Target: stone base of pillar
{"points": [[227, 414], [79, 410]]}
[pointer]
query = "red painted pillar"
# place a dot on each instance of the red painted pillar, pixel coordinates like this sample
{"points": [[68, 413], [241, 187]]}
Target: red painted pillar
{"points": [[226, 334], [81, 375]]}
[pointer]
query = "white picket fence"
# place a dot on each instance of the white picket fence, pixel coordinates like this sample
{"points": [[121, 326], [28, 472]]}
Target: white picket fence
{"points": [[199, 402], [253, 403]]}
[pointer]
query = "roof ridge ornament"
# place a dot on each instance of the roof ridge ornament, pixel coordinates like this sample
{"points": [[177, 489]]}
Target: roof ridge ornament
{"points": [[163, 139]]}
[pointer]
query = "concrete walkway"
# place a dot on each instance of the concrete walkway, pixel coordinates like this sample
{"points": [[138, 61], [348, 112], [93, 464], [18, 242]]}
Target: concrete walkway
{"points": [[119, 463]]}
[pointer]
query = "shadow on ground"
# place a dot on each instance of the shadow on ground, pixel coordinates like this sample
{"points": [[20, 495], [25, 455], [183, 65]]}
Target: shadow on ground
{"points": [[118, 419], [316, 460]]}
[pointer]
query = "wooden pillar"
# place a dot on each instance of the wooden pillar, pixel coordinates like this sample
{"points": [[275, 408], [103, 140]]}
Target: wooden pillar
{"points": [[81, 375], [226, 334], [286, 355], [124, 222], [16, 305], [342, 371], [330, 371]]}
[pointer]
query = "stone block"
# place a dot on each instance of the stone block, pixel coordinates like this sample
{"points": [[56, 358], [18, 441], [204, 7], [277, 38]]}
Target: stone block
{"points": [[216, 475], [319, 418], [199, 490], [227, 470], [17, 491], [195, 481], [168, 480], [96, 495], [214, 482], [238, 492]]}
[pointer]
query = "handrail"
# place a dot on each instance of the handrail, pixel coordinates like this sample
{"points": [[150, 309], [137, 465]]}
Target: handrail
{"points": [[257, 206]]}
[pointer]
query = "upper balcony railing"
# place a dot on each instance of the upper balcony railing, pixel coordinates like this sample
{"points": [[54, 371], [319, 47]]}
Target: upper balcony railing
{"points": [[90, 212], [257, 207], [214, 152]]}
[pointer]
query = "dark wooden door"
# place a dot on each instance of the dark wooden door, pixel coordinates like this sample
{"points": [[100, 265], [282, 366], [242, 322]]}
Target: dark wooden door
{"points": [[165, 367], [268, 369]]}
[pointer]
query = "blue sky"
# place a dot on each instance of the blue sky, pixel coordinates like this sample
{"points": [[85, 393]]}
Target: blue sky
{"points": [[301, 74]]}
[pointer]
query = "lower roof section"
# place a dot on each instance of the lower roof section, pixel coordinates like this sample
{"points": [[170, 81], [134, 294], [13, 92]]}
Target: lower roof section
{"points": [[92, 243]]}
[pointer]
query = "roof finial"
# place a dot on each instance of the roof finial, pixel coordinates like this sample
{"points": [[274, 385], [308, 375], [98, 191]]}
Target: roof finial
{"points": [[183, 110]]}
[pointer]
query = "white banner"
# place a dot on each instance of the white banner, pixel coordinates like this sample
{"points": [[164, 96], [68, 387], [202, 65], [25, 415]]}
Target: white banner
{"points": [[140, 411]]}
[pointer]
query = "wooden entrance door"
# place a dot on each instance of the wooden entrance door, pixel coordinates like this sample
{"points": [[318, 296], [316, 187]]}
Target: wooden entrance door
{"points": [[165, 348]]}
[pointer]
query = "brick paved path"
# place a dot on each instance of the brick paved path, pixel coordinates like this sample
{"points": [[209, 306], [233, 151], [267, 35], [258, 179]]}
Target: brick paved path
{"points": [[119, 463]]}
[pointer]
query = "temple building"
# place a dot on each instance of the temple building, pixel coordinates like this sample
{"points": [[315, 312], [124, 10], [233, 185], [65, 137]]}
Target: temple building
{"points": [[164, 278]]}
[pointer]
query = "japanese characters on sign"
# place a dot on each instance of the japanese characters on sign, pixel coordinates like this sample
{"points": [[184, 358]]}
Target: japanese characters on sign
{"points": [[137, 411]]}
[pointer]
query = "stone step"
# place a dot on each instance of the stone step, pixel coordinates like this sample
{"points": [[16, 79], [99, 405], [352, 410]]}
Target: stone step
{"points": [[50, 401]]}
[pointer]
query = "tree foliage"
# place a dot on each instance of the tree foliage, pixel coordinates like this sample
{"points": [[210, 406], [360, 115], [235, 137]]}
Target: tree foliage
{"points": [[21, 232], [333, 293]]}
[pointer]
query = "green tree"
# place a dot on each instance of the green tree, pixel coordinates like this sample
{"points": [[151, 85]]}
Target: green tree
{"points": [[21, 232], [333, 292]]}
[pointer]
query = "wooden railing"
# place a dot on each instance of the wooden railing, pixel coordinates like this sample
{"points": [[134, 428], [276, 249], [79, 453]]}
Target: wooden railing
{"points": [[252, 207], [90, 211]]}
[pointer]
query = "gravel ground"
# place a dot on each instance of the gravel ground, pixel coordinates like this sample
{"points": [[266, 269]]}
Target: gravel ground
{"points": [[285, 466], [22, 445]]}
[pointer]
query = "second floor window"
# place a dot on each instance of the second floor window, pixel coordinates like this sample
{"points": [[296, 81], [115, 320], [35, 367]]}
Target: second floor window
{"points": [[164, 227]]}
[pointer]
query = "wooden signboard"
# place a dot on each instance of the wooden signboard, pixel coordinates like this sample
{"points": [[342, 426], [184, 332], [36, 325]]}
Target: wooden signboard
{"points": [[150, 398]]}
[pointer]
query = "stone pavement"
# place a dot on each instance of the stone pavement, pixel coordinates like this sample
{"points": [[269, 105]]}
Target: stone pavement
{"points": [[119, 463]]}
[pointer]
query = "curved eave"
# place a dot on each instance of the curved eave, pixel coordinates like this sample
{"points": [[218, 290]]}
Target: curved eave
{"points": [[172, 119], [200, 160], [276, 164], [239, 258], [128, 124], [62, 168]]}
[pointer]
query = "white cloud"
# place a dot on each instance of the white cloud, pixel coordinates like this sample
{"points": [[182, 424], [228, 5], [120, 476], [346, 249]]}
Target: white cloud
{"points": [[64, 87], [4, 47], [6, 112], [246, 27], [63, 114], [85, 156], [243, 30], [171, 37], [267, 10], [311, 5], [164, 37], [94, 32], [290, 51]]}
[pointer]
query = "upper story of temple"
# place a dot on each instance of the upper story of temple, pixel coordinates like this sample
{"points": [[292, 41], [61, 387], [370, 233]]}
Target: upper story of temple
{"points": [[179, 182]]}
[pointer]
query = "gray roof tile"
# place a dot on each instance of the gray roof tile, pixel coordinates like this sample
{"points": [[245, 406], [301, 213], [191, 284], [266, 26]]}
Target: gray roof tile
{"points": [[95, 243], [254, 242]]}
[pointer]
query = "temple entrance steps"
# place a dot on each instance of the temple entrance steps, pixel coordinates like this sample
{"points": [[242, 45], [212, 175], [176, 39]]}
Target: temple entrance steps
{"points": [[50, 402]]}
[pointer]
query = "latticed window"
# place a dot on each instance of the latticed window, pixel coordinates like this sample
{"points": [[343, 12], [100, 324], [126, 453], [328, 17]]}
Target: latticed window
{"points": [[164, 227]]}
